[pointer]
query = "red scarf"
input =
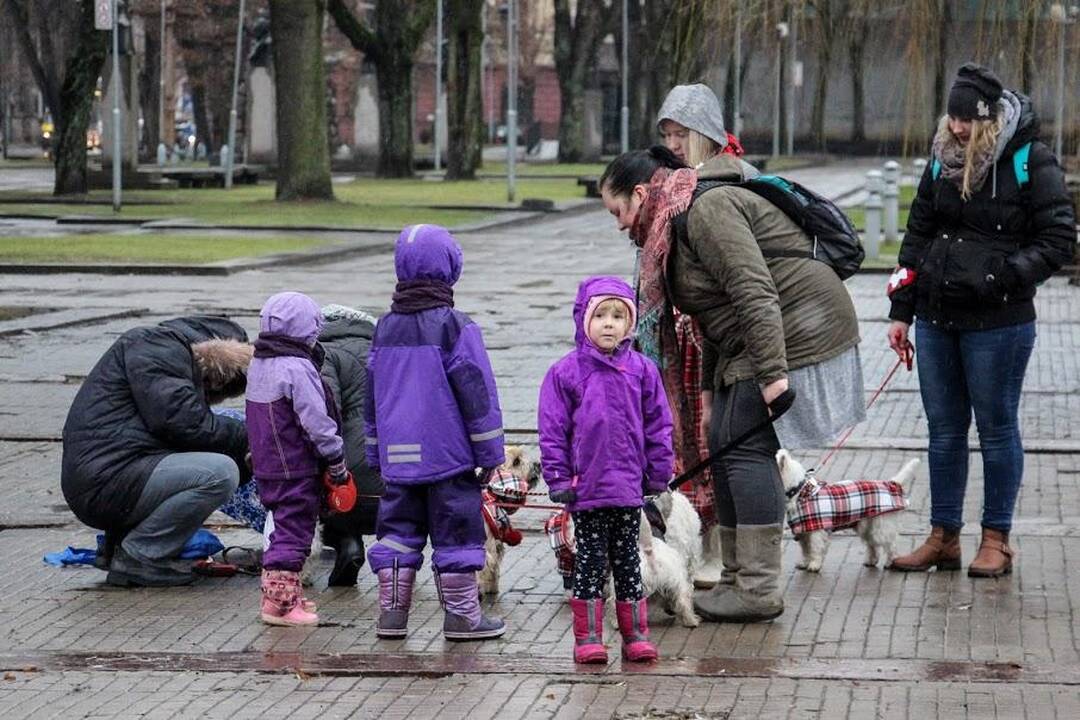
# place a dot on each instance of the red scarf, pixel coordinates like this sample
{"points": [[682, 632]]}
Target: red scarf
{"points": [[668, 193]]}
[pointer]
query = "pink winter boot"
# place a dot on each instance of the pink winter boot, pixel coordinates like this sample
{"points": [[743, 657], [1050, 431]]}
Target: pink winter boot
{"points": [[633, 616], [588, 631], [282, 600]]}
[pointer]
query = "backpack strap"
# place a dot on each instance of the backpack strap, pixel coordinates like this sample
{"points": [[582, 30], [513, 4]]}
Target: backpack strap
{"points": [[1020, 164], [935, 168]]}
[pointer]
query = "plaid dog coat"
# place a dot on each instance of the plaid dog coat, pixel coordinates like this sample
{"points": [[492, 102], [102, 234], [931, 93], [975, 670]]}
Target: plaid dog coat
{"points": [[837, 506]]}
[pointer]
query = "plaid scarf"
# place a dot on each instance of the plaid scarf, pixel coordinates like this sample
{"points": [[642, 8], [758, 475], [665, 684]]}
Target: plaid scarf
{"points": [[669, 193]]}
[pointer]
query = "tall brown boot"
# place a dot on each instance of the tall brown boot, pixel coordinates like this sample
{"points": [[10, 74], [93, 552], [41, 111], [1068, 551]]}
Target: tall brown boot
{"points": [[941, 550], [994, 558]]}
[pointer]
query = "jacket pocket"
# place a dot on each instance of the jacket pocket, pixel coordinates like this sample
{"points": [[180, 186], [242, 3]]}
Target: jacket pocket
{"points": [[972, 271]]}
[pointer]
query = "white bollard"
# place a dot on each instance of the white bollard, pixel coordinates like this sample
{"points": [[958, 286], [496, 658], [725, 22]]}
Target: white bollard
{"points": [[891, 201], [162, 154], [872, 231], [920, 168], [224, 156]]}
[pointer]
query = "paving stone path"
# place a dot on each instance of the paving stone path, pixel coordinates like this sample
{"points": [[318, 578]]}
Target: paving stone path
{"points": [[854, 642]]}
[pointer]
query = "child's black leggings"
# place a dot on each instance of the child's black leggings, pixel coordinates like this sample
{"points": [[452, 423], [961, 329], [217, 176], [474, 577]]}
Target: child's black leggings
{"points": [[603, 535]]}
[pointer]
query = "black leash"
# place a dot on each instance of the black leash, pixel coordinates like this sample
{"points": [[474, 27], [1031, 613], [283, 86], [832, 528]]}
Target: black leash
{"points": [[777, 407]]}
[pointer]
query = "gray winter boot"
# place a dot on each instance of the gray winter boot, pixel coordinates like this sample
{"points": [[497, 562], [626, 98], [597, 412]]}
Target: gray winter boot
{"points": [[729, 557], [756, 596]]}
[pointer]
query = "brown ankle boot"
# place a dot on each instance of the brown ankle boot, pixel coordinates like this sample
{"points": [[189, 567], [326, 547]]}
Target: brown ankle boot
{"points": [[941, 550], [994, 558]]}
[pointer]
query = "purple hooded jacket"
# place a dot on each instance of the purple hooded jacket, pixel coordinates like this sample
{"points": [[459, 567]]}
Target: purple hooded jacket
{"points": [[433, 408], [289, 429], [604, 418]]}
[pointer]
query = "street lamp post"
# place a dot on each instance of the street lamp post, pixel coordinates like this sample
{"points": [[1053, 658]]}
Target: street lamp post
{"points": [[438, 81], [736, 111], [118, 148], [1062, 16], [782, 33], [235, 88], [624, 113], [511, 98], [793, 72], [161, 79]]}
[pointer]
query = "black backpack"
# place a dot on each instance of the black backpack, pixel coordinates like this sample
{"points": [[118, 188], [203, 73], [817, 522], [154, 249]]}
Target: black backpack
{"points": [[835, 241]]}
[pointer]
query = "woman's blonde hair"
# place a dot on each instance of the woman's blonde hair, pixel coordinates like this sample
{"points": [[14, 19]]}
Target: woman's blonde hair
{"points": [[983, 140], [699, 148]]}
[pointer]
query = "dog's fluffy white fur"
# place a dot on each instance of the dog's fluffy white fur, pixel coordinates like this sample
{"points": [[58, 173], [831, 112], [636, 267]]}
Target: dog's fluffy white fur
{"points": [[668, 565], [520, 466], [877, 533]]}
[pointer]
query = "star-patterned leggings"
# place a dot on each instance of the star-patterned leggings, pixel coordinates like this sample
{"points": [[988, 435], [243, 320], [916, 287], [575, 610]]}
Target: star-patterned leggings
{"points": [[603, 535]]}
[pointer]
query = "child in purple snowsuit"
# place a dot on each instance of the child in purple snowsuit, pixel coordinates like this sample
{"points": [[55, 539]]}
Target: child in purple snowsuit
{"points": [[433, 418], [605, 441], [293, 433]]}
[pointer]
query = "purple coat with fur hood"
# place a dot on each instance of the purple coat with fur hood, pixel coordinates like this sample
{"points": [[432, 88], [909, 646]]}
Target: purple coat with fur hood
{"points": [[604, 417], [433, 408], [290, 432]]}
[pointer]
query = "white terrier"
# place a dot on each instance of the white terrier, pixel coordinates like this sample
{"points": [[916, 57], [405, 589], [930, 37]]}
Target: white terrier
{"points": [[667, 565], [814, 510]]}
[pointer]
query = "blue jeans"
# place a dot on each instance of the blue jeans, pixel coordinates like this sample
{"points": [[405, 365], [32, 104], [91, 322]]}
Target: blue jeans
{"points": [[982, 371]]}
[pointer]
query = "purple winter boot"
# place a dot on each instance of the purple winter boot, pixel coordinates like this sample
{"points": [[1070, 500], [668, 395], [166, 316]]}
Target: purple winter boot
{"points": [[395, 597], [460, 599]]}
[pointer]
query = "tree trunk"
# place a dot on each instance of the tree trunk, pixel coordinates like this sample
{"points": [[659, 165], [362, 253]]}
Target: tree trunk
{"points": [[1027, 48], [465, 124], [944, 29], [577, 39], [395, 119], [303, 159], [76, 104], [199, 112], [150, 91], [856, 45], [399, 30]]}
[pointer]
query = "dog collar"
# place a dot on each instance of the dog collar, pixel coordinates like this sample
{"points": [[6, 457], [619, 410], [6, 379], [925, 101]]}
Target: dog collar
{"points": [[809, 478]]}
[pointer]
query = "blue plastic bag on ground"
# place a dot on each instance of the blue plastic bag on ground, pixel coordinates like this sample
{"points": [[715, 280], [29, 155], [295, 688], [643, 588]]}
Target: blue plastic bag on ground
{"points": [[202, 544]]}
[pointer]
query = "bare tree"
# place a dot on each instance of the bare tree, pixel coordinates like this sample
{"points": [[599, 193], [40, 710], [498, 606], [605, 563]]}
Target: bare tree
{"points": [[465, 126], [303, 151], [54, 38], [400, 26], [577, 39], [829, 15]]}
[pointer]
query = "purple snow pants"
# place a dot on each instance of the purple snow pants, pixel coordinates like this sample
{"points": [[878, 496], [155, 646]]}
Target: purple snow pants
{"points": [[295, 504], [447, 510]]}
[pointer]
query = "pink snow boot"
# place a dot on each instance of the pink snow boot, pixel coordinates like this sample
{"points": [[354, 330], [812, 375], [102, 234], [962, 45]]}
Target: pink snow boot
{"points": [[588, 631], [633, 616], [282, 600]]}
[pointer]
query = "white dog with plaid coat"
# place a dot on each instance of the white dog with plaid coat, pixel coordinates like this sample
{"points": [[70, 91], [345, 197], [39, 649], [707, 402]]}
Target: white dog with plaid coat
{"points": [[872, 507]]}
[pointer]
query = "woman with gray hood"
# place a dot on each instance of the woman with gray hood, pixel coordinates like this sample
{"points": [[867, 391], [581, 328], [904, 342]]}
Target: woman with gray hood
{"points": [[691, 125]]}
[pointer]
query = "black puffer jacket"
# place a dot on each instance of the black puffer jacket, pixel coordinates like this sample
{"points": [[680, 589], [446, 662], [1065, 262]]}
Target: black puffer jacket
{"points": [[143, 400], [976, 263], [347, 341]]}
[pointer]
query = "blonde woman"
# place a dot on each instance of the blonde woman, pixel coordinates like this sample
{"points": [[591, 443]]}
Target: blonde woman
{"points": [[990, 221], [691, 125]]}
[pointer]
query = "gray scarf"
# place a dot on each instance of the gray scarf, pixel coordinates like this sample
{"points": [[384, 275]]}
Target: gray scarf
{"points": [[952, 155]]}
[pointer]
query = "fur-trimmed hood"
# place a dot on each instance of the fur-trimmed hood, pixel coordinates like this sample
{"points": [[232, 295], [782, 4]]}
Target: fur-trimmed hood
{"points": [[223, 364]]}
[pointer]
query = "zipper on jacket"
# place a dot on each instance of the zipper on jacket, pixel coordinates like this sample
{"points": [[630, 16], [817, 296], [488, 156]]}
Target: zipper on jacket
{"points": [[277, 442]]}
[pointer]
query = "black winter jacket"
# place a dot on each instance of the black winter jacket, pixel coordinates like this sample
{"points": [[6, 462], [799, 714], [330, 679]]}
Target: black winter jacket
{"points": [[143, 400], [977, 263], [347, 342]]}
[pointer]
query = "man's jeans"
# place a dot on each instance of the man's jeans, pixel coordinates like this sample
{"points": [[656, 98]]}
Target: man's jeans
{"points": [[980, 371], [180, 494]]}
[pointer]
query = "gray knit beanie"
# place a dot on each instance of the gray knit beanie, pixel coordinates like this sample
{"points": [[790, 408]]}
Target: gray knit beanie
{"points": [[695, 107]]}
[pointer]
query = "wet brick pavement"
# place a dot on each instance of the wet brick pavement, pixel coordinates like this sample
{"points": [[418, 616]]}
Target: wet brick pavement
{"points": [[853, 643]]}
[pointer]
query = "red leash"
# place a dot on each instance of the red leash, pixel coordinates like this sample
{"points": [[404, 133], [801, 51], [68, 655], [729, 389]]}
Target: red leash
{"points": [[907, 358]]}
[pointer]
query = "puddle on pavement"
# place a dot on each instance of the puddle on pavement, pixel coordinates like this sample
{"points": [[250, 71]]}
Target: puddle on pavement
{"points": [[16, 312]]}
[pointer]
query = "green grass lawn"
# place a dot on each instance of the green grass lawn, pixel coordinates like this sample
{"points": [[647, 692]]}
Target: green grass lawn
{"points": [[365, 202], [147, 248], [526, 169]]}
